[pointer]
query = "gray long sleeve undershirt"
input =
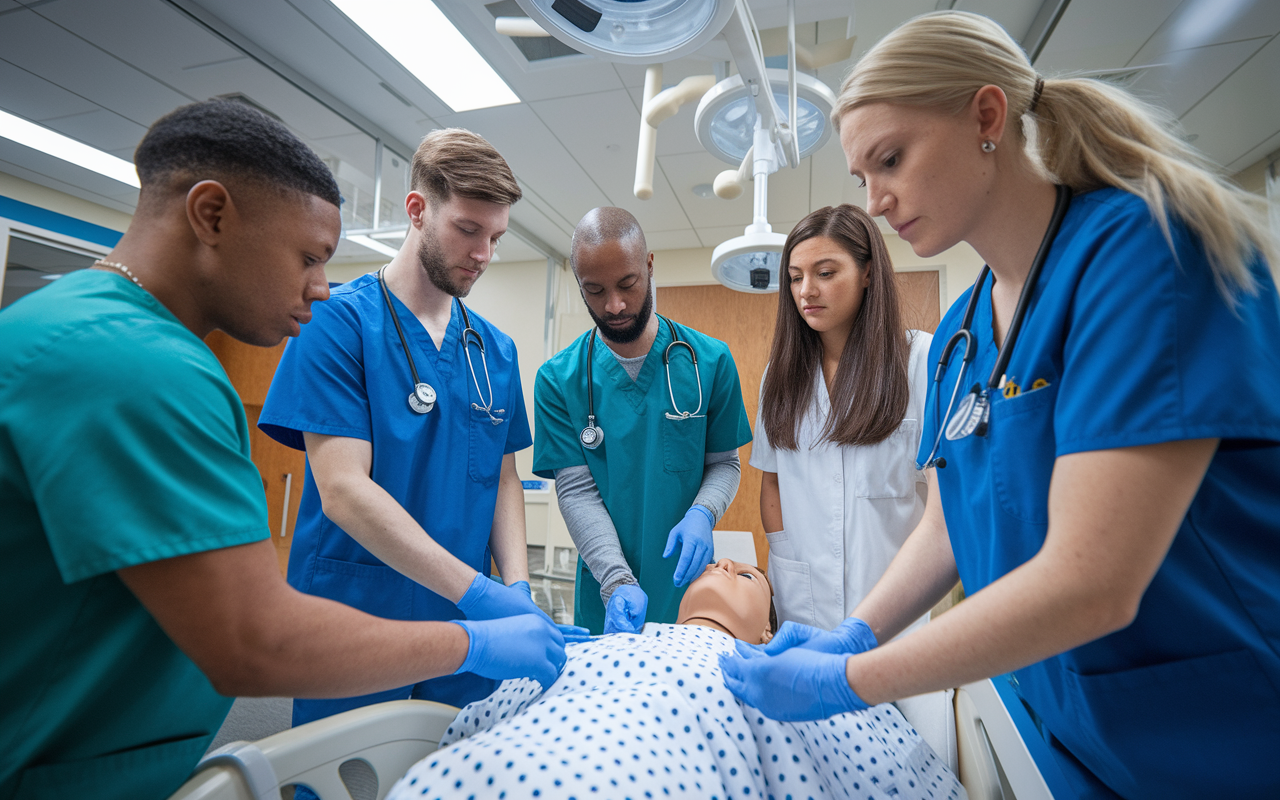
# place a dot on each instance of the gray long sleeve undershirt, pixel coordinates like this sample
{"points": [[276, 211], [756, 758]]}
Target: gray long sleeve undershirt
{"points": [[591, 527]]}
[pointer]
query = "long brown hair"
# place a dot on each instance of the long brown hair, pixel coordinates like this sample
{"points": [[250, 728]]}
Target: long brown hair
{"points": [[870, 390]]}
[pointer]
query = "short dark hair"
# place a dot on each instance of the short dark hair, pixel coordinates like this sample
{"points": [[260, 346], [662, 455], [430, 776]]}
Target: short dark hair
{"points": [[224, 139], [453, 161]]}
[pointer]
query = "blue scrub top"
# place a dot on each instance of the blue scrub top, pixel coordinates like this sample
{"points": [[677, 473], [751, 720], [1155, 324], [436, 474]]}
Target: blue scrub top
{"points": [[347, 375], [1137, 346]]}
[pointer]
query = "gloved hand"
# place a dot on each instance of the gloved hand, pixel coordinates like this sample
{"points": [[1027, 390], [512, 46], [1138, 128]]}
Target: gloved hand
{"points": [[625, 613], [523, 646], [571, 633], [850, 637], [693, 535], [487, 599], [796, 686]]}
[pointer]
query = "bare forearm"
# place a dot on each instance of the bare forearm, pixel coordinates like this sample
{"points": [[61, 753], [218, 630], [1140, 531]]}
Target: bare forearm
{"points": [[770, 503], [1112, 516], [251, 633], [319, 648], [1028, 615], [372, 517], [509, 541]]}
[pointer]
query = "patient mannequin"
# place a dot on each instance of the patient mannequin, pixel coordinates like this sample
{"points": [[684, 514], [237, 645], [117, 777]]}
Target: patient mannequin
{"points": [[648, 713], [731, 597]]}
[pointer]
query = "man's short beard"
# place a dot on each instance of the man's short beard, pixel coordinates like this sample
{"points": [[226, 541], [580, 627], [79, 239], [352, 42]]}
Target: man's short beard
{"points": [[432, 261], [633, 331]]}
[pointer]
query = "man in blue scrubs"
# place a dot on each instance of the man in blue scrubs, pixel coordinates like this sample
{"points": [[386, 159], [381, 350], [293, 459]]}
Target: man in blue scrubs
{"points": [[139, 584], [640, 501], [404, 501]]}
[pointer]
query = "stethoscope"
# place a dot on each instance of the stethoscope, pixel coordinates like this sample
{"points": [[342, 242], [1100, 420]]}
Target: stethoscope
{"points": [[592, 435], [423, 397], [974, 413]]}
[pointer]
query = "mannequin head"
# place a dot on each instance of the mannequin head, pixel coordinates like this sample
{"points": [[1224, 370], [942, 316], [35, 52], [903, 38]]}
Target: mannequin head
{"points": [[732, 597]]}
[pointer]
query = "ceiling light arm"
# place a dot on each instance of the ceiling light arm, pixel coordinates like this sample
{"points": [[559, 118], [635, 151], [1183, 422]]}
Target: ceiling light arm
{"points": [[764, 164], [744, 45], [729, 184], [794, 153], [648, 146]]}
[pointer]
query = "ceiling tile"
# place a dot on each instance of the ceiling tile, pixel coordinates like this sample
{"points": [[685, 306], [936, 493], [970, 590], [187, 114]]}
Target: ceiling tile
{"points": [[1186, 77], [1234, 120], [1102, 34], [39, 46]]}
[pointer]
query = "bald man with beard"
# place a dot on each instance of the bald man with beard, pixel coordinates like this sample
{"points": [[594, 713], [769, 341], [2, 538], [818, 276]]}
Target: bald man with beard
{"points": [[639, 421]]}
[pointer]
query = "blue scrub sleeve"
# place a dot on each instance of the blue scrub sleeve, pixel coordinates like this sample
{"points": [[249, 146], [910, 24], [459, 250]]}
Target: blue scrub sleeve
{"points": [[727, 424], [152, 463], [1154, 352], [555, 442], [319, 385], [518, 436]]}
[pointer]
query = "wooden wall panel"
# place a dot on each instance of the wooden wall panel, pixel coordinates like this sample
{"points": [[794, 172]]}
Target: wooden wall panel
{"points": [[250, 369], [745, 322]]}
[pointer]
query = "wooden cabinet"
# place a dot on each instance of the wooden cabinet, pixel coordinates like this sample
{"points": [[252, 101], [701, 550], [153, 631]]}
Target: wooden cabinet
{"points": [[281, 468]]}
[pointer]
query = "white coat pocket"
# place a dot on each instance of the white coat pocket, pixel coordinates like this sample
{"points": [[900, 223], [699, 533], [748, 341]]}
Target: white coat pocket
{"points": [[792, 586], [887, 469]]}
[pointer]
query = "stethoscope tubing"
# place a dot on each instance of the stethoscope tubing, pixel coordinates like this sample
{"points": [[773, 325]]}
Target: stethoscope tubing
{"points": [[1061, 205], [467, 333], [596, 436]]}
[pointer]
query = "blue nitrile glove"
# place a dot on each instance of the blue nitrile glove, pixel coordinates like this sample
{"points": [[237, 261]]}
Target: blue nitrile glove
{"points": [[487, 599], [850, 637], [693, 534], [625, 613], [797, 686], [524, 646], [571, 633]]}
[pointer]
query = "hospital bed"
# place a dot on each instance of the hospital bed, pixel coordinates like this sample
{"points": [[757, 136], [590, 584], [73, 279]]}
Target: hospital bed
{"points": [[1001, 755]]}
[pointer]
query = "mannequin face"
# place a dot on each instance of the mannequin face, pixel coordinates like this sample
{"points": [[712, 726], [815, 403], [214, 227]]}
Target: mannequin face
{"points": [[732, 595]]}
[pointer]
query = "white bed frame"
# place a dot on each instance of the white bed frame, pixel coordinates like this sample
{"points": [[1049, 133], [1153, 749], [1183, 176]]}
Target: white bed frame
{"points": [[388, 737], [995, 760]]}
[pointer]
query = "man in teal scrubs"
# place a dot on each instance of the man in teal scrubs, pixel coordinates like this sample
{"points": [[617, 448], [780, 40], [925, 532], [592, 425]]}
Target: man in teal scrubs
{"points": [[641, 490], [139, 585]]}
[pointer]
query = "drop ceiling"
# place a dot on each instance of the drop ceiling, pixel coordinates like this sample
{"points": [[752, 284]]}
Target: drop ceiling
{"points": [[101, 71]]}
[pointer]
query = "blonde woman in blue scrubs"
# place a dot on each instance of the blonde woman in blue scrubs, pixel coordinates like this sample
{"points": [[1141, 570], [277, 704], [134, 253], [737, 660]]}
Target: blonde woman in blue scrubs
{"points": [[1114, 513]]}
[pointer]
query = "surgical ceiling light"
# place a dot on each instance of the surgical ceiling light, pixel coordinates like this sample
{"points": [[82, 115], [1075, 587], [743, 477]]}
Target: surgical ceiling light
{"points": [[37, 137], [426, 43], [725, 120], [631, 31]]}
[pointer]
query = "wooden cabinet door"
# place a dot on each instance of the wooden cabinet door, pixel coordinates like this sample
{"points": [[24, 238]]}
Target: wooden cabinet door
{"points": [[281, 468]]}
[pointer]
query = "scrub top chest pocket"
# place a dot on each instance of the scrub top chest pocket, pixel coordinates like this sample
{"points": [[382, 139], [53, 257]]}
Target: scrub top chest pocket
{"points": [[887, 469], [486, 442], [1022, 453], [683, 443]]}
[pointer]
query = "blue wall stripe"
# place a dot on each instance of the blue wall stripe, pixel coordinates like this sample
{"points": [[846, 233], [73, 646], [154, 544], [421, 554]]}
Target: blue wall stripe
{"points": [[58, 223]]}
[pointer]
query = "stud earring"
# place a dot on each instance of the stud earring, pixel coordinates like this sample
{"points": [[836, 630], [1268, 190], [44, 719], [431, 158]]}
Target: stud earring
{"points": [[988, 146]]}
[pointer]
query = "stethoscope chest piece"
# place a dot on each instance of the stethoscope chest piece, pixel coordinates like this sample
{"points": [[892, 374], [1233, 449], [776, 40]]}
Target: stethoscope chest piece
{"points": [[971, 416], [423, 398], [592, 436]]}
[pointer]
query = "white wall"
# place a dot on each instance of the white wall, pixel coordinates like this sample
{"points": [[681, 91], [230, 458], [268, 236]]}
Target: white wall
{"points": [[52, 200]]}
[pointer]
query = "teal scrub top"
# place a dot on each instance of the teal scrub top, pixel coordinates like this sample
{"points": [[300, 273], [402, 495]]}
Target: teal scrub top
{"points": [[121, 442], [1128, 342], [649, 467]]}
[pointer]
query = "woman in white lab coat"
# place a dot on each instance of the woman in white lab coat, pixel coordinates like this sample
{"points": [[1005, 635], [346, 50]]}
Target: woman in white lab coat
{"points": [[839, 420], [838, 429]]}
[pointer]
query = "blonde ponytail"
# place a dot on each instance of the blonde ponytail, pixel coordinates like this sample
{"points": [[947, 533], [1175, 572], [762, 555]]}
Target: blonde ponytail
{"points": [[1087, 134]]}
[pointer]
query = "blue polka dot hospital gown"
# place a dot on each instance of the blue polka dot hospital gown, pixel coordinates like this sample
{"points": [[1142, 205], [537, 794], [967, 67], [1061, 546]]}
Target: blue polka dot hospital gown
{"points": [[648, 716]]}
